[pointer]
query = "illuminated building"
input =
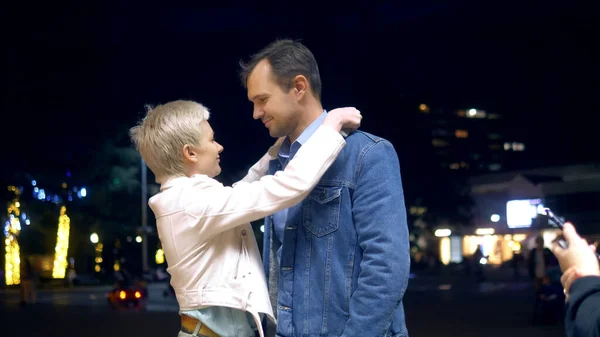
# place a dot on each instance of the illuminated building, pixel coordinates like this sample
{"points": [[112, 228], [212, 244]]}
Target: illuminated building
{"points": [[509, 211], [469, 140]]}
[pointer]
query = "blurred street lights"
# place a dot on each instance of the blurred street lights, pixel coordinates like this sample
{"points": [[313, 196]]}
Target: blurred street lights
{"points": [[98, 247]]}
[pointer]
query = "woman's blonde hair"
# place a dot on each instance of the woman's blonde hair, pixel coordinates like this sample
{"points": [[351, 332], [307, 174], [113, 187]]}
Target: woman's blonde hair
{"points": [[161, 135]]}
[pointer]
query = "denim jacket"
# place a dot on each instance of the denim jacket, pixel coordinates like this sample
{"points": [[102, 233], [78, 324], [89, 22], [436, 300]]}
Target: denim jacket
{"points": [[344, 263]]}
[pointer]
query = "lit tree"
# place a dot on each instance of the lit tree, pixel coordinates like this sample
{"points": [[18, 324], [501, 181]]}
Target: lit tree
{"points": [[12, 228], [62, 245], [42, 204]]}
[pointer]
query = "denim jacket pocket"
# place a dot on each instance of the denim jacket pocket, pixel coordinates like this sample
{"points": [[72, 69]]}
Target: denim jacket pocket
{"points": [[322, 210]]}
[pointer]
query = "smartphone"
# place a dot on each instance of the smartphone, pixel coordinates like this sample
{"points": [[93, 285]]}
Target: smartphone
{"points": [[553, 219], [560, 224]]}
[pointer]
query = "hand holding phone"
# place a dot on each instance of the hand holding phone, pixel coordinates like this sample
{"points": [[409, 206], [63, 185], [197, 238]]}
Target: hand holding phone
{"points": [[557, 222]]}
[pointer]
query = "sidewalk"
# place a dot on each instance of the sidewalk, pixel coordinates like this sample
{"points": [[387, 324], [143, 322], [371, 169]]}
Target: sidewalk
{"points": [[447, 278]]}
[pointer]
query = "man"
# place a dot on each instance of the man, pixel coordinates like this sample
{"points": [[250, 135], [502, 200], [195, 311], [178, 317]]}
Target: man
{"points": [[540, 261], [338, 262], [581, 282]]}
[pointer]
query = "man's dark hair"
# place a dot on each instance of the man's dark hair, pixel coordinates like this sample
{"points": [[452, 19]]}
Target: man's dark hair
{"points": [[288, 59]]}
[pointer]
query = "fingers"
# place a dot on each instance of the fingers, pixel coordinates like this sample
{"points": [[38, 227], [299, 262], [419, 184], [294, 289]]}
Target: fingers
{"points": [[349, 117], [556, 249], [565, 278], [570, 234], [357, 116], [569, 277], [355, 121]]}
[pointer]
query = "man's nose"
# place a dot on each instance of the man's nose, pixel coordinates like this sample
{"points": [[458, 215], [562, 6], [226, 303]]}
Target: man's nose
{"points": [[258, 113]]}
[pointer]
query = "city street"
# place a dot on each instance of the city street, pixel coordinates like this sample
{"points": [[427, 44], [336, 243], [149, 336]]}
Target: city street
{"points": [[467, 157], [435, 306]]}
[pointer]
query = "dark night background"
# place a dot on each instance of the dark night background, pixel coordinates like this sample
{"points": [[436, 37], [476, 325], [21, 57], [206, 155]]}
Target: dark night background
{"points": [[77, 75]]}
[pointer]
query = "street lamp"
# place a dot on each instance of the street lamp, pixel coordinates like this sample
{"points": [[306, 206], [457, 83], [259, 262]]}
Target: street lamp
{"points": [[144, 217], [94, 238]]}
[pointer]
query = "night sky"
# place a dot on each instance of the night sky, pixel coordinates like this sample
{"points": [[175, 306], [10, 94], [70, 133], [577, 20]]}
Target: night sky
{"points": [[78, 75]]}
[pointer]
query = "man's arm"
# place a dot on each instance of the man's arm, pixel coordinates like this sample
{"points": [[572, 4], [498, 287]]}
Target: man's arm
{"points": [[583, 308], [380, 219]]}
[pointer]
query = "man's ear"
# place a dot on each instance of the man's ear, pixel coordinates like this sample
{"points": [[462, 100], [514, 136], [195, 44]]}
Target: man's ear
{"points": [[190, 153], [300, 86]]}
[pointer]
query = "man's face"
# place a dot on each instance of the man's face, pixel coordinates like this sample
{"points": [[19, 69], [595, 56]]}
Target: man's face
{"points": [[278, 110], [539, 243]]}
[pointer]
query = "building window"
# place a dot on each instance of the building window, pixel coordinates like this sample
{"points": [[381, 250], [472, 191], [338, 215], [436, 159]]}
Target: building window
{"points": [[495, 167], [456, 166], [518, 147], [436, 142], [439, 133], [443, 153], [514, 147], [474, 113], [456, 249], [417, 210], [461, 134]]}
